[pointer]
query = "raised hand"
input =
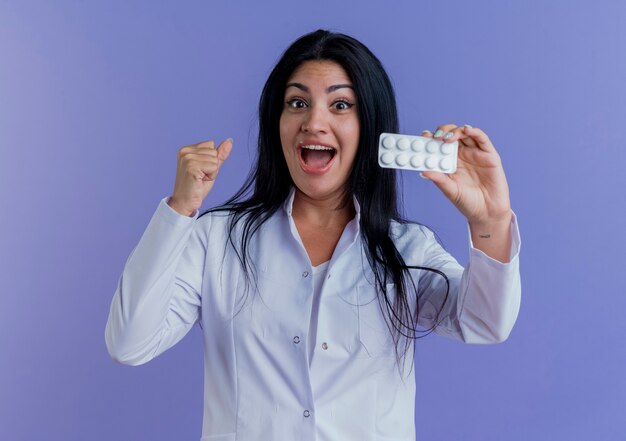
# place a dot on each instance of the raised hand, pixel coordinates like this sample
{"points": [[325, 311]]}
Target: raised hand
{"points": [[478, 188], [197, 169]]}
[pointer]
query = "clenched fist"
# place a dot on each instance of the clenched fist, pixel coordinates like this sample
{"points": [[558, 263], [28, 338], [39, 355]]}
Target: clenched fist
{"points": [[198, 165]]}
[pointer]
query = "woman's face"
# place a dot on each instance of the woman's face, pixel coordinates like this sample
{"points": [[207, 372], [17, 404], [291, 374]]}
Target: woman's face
{"points": [[319, 128]]}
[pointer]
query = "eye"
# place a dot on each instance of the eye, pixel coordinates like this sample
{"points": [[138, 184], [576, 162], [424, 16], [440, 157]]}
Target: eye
{"points": [[296, 103], [342, 105]]}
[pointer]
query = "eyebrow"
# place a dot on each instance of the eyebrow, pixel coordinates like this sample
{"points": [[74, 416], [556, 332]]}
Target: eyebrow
{"points": [[328, 90]]}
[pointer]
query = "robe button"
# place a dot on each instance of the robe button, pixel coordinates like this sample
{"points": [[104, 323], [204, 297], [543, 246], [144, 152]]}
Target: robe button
{"points": [[306, 413], [324, 345], [296, 339]]}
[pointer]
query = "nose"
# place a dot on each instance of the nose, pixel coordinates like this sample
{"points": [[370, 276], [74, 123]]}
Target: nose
{"points": [[315, 120]]}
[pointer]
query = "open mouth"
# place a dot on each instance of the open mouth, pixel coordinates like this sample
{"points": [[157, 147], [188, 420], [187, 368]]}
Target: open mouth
{"points": [[316, 159]]}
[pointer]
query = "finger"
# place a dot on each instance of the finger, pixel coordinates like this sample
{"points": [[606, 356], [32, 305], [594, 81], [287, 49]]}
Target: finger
{"points": [[443, 129], [209, 168], [200, 151], [447, 186], [224, 150], [202, 158], [196, 148], [452, 135], [427, 134], [479, 137], [210, 144]]}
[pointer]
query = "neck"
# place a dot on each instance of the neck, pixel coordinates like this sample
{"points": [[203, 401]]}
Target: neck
{"points": [[323, 213]]}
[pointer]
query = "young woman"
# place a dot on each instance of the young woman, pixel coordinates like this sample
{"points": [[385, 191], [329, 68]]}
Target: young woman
{"points": [[341, 285]]}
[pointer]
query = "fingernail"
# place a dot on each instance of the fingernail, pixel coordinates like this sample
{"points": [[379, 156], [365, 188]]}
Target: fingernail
{"points": [[426, 131], [468, 126], [230, 139], [438, 133], [422, 176], [448, 135]]}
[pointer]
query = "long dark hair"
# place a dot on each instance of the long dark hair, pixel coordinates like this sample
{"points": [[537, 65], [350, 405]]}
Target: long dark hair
{"points": [[269, 182]]}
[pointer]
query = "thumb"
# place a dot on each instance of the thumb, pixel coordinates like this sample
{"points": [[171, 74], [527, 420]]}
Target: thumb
{"points": [[224, 150], [447, 186]]}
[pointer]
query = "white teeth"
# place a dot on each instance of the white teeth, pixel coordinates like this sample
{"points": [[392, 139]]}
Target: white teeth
{"points": [[317, 147]]}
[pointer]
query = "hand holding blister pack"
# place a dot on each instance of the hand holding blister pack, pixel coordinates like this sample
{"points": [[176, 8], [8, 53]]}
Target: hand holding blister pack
{"points": [[417, 153]]}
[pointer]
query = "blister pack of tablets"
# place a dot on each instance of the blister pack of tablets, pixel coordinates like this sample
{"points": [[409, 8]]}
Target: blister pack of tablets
{"points": [[418, 153]]}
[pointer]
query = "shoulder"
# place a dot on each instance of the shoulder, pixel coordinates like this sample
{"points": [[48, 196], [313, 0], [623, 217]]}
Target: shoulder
{"points": [[212, 223], [229, 221], [418, 244], [214, 216], [411, 237], [409, 231]]}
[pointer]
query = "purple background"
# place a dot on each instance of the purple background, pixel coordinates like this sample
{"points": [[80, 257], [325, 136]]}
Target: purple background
{"points": [[96, 100]]}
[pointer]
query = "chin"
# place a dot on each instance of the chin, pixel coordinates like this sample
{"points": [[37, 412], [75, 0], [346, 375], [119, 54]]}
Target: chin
{"points": [[319, 191]]}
